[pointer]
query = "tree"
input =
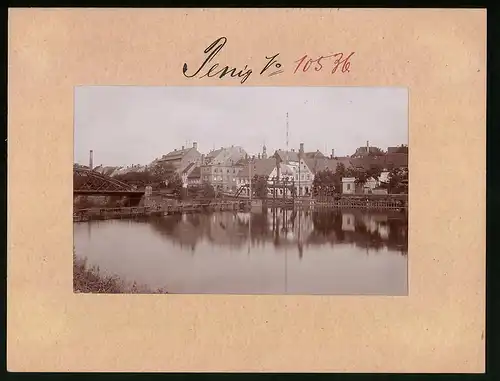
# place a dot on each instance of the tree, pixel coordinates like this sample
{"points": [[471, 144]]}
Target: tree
{"points": [[340, 171], [208, 190], [350, 172], [375, 171], [259, 186], [174, 184], [162, 171], [136, 178], [398, 180], [324, 183], [361, 177], [154, 176]]}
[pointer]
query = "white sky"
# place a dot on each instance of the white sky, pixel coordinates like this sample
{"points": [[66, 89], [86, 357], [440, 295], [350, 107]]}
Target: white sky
{"points": [[126, 125]]}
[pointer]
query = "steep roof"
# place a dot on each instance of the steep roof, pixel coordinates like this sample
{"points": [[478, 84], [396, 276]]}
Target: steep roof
{"points": [[225, 155], [321, 164], [396, 160], [108, 171], [292, 155], [214, 153], [387, 161], [361, 151], [176, 154], [188, 168], [195, 173], [367, 162], [241, 162], [316, 154], [261, 167]]}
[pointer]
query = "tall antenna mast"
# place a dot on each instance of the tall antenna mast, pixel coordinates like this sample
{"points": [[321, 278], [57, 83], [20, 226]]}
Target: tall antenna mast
{"points": [[286, 154]]}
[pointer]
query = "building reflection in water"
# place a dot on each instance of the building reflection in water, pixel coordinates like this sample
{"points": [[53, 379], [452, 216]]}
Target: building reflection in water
{"points": [[273, 251], [289, 229]]}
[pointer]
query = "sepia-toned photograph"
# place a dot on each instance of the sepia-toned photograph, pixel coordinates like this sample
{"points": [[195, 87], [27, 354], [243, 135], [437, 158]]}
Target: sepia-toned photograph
{"points": [[240, 190]]}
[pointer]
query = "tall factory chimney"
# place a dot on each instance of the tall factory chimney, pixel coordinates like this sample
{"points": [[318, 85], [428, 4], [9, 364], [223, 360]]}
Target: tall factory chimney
{"points": [[91, 160]]}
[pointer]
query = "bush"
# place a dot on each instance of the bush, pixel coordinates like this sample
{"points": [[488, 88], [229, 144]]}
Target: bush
{"points": [[90, 280]]}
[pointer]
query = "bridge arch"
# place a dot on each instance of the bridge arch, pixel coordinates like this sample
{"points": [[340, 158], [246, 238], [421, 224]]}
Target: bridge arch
{"points": [[88, 181]]}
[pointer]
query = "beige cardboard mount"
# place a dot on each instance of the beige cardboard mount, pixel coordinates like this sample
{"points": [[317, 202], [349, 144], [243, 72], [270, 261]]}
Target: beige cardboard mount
{"points": [[439, 55]]}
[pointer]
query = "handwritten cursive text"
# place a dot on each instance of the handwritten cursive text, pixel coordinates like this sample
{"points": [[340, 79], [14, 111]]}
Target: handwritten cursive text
{"points": [[212, 50]]}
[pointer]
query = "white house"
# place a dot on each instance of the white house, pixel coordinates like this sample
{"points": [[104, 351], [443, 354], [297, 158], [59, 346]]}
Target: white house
{"points": [[296, 173], [370, 185], [348, 185]]}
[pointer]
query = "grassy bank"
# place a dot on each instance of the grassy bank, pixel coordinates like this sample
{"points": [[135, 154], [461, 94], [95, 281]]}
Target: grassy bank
{"points": [[90, 280]]}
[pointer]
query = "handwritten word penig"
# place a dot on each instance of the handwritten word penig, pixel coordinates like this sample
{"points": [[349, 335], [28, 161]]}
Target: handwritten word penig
{"points": [[212, 50]]}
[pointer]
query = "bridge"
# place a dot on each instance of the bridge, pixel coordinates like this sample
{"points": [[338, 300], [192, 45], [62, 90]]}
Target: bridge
{"points": [[87, 182]]}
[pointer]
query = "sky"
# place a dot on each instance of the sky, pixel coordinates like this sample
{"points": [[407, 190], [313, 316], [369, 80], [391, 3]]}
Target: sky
{"points": [[126, 125]]}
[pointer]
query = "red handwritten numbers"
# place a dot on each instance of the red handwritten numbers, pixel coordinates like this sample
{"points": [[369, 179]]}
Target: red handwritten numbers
{"points": [[305, 63]]}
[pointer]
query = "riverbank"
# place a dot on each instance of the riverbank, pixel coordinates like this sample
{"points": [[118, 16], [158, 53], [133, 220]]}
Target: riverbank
{"points": [[90, 280]]}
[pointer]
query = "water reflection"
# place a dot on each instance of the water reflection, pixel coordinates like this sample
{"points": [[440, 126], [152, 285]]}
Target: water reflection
{"points": [[274, 251], [288, 228]]}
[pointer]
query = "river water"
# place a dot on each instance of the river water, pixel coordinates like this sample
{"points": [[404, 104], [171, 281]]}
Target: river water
{"points": [[266, 252]]}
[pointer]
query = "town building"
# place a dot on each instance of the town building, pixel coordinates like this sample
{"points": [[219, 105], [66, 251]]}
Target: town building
{"points": [[314, 155], [106, 170], [395, 157], [401, 149], [367, 151], [371, 186], [180, 159], [220, 168], [288, 167], [348, 185], [301, 173], [254, 167], [192, 177], [317, 164]]}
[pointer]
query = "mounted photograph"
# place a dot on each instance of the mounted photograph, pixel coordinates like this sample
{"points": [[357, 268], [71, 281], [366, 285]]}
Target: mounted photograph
{"points": [[241, 190]]}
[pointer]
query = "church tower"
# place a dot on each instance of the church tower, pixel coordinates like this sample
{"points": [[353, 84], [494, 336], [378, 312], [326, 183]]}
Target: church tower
{"points": [[264, 152]]}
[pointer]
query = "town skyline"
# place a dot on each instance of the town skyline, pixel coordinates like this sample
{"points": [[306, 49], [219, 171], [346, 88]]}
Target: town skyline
{"points": [[270, 153], [125, 125]]}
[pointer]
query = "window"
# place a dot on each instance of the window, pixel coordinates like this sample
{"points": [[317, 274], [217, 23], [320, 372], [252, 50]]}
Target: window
{"points": [[348, 186], [234, 170], [302, 177], [308, 177], [228, 171]]}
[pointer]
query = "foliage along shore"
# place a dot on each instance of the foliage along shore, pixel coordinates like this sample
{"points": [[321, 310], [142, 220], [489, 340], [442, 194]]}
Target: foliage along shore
{"points": [[90, 280]]}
